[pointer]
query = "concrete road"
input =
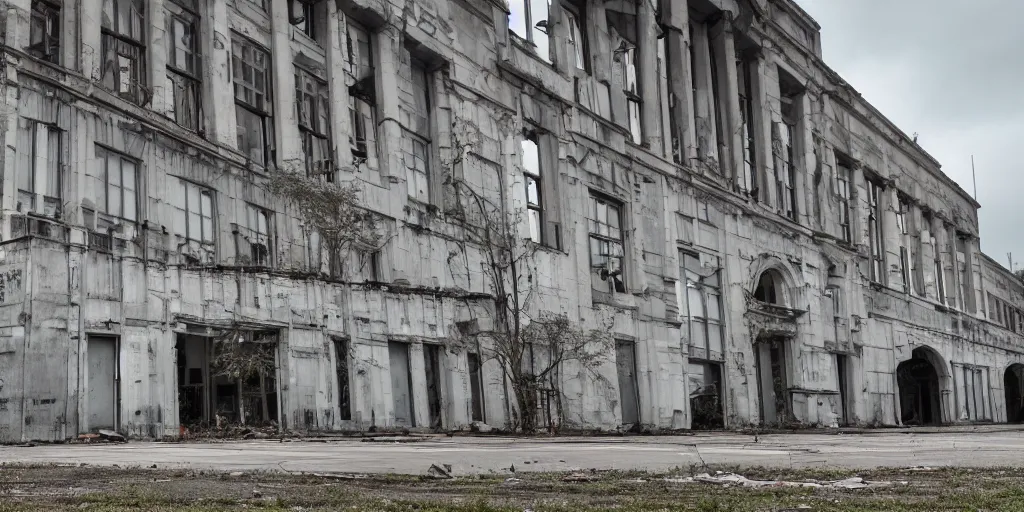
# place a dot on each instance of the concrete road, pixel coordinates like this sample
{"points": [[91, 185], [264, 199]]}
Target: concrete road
{"points": [[467, 455]]}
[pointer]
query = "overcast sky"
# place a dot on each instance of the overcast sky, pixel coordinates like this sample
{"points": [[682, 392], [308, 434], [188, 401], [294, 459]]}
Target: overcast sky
{"points": [[952, 71]]}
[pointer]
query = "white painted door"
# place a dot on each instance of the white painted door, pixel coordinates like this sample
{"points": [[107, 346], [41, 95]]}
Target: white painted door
{"points": [[401, 391], [102, 389]]}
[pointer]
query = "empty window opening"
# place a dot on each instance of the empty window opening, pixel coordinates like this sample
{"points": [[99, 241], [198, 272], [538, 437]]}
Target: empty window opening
{"points": [[528, 19], [786, 138], [770, 288], [314, 115], [301, 13], [746, 70], [45, 30], [875, 234], [531, 180], [255, 238], [772, 381]]}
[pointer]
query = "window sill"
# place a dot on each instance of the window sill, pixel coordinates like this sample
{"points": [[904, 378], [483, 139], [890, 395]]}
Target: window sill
{"points": [[529, 49], [541, 246]]}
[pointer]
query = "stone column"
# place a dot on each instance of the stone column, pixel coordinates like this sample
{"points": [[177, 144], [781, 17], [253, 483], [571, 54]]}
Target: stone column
{"points": [[724, 49], [647, 48], [806, 162], [680, 80], [334, 43], [389, 133], [286, 128], [217, 87], [892, 237]]}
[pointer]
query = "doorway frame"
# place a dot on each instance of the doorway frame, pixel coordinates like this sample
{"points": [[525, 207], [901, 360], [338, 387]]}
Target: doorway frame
{"points": [[84, 399]]}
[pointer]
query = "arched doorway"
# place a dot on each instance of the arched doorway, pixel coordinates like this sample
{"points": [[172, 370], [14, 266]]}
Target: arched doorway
{"points": [[1013, 380], [920, 388], [772, 336]]}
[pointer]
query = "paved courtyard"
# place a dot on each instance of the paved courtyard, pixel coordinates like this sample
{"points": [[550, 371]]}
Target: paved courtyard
{"points": [[964, 447]]}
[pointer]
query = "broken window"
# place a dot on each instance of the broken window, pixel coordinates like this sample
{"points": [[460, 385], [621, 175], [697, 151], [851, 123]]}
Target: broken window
{"points": [[577, 36], [45, 30], [606, 245], [314, 114], [257, 235], [748, 183], [300, 14], [702, 305], [717, 146], [362, 104], [906, 262], [119, 194], [628, 56], [528, 19], [253, 107], [875, 234], [963, 262], [371, 265], [39, 167], [844, 180], [417, 136], [124, 51], [769, 289], [193, 212], [937, 273], [183, 64], [531, 180], [785, 140]]}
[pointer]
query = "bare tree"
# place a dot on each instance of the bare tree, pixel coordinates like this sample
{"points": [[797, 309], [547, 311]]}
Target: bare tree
{"points": [[530, 348], [331, 210]]}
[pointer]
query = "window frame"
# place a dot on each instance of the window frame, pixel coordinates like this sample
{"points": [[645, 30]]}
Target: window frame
{"points": [[530, 26], [212, 217], [596, 200], [264, 112], [844, 184], [29, 173], [575, 12], [876, 235], [317, 128], [115, 40], [704, 291], [181, 78], [107, 153], [535, 178], [252, 218], [303, 19], [48, 48]]}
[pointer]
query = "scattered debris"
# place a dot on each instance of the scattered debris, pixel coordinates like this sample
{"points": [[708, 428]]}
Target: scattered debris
{"points": [[481, 427], [511, 481], [440, 471], [110, 435], [578, 477], [730, 479]]}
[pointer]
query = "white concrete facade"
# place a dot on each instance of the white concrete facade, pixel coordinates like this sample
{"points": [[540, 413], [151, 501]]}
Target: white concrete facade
{"points": [[779, 237]]}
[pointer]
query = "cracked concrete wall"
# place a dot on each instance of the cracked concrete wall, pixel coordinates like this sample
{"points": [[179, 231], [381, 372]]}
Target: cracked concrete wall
{"points": [[678, 191]]}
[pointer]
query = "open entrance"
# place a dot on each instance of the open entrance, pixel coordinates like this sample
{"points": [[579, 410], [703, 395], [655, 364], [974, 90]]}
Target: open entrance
{"points": [[706, 395], [625, 361], [341, 349], [772, 380], [102, 382], [920, 392], [401, 383], [842, 376], [1013, 382], [229, 378], [476, 386], [432, 370]]}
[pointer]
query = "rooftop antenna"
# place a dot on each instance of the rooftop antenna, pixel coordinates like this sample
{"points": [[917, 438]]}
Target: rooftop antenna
{"points": [[974, 177]]}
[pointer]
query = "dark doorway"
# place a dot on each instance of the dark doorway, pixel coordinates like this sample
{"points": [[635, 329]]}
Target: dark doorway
{"points": [[432, 370], [476, 387], [401, 383], [625, 360], [706, 395], [772, 380], [1012, 382], [844, 388], [341, 368], [919, 390]]}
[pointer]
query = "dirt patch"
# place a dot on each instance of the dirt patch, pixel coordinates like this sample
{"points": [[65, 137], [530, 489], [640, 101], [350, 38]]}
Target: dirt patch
{"points": [[97, 488]]}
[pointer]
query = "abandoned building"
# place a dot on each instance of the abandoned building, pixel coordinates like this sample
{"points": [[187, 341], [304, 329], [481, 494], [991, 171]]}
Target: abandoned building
{"points": [[764, 245]]}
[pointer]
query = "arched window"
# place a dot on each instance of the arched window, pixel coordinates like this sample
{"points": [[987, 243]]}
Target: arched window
{"points": [[770, 288]]}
